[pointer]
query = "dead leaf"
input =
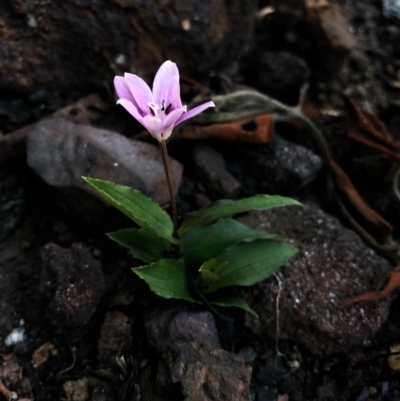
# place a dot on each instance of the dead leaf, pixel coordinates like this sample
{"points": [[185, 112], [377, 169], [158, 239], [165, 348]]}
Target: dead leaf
{"points": [[392, 283], [252, 130], [366, 128], [345, 185], [42, 354]]}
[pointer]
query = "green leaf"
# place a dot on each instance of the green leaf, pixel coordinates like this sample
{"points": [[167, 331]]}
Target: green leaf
{"points": [[142, 244], [232, 301], [208, 273], [204, 243], [139, 208], [225, 208], [251, 262], [166, 278]]}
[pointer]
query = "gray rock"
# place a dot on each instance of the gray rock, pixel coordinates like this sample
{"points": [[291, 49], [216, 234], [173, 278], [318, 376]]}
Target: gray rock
{"points": [[71, 283], [281, 75], [169, 326], [282, 166], [61, 152], [210, 167], [391, 9], [207, 374], [332, 265]]}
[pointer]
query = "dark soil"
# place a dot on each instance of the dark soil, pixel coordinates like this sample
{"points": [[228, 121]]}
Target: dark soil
{"points": [[86, 319]]}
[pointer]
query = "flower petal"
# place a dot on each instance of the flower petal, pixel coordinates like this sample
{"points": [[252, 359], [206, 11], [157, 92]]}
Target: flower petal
{"points": [[122, 89], [154, 125], [194, 112], [163, 80], [174, 94], [131, 109], [140, 92], [172, 118]]}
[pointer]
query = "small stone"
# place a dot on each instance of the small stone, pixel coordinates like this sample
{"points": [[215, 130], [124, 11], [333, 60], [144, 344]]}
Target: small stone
{"points": [[207, 374], [10, 371], [77, 390], [210, 167], [116, 336], [72, 284], [394, 360], [172, 325], [42, 354]]}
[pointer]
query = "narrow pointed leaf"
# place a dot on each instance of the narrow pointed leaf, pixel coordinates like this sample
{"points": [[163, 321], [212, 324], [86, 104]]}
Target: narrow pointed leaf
{"points": [[139, 208], [225, 208], [251, 262], [232, 301], [142, 244], [204, 243], [167, 278]]}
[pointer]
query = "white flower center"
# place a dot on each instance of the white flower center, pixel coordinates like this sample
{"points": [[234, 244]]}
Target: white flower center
{"points": [[158, 110]]}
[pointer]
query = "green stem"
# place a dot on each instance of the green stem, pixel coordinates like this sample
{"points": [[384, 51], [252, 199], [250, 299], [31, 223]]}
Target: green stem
{"points": [[164, 154]]}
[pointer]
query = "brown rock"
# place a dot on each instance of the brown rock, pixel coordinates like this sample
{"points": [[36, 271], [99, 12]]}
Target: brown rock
{"points": [[332, 265], [210, 166], [61, 153], [72, 284], [77, 390], [10, 371], [207, 374], [116, 336]]}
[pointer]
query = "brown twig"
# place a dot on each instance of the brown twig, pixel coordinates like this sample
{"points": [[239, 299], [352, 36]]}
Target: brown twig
{"points": [[9, 395]]}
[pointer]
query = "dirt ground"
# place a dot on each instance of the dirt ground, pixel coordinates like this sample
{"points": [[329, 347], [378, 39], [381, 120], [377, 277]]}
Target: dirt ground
{"points": [[76, 324]]}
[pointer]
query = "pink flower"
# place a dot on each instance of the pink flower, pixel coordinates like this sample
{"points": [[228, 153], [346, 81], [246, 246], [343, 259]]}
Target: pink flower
{"points": [[159, 111]]}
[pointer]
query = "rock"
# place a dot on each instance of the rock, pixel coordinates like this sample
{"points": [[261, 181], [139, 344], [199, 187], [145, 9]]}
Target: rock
{"points": [[332, 265], [10, 371], [72, 284], [279, 74], [116, 336], [169, 326], [391, 9], [282, 166], [85, 111], [77, 390], [61, 152], [42, 354], [331, 31], [207, 374], [88, 48], [210, 167]]}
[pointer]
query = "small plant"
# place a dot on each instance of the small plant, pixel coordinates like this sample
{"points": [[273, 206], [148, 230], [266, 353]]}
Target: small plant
{"points": [[211, 251]]}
